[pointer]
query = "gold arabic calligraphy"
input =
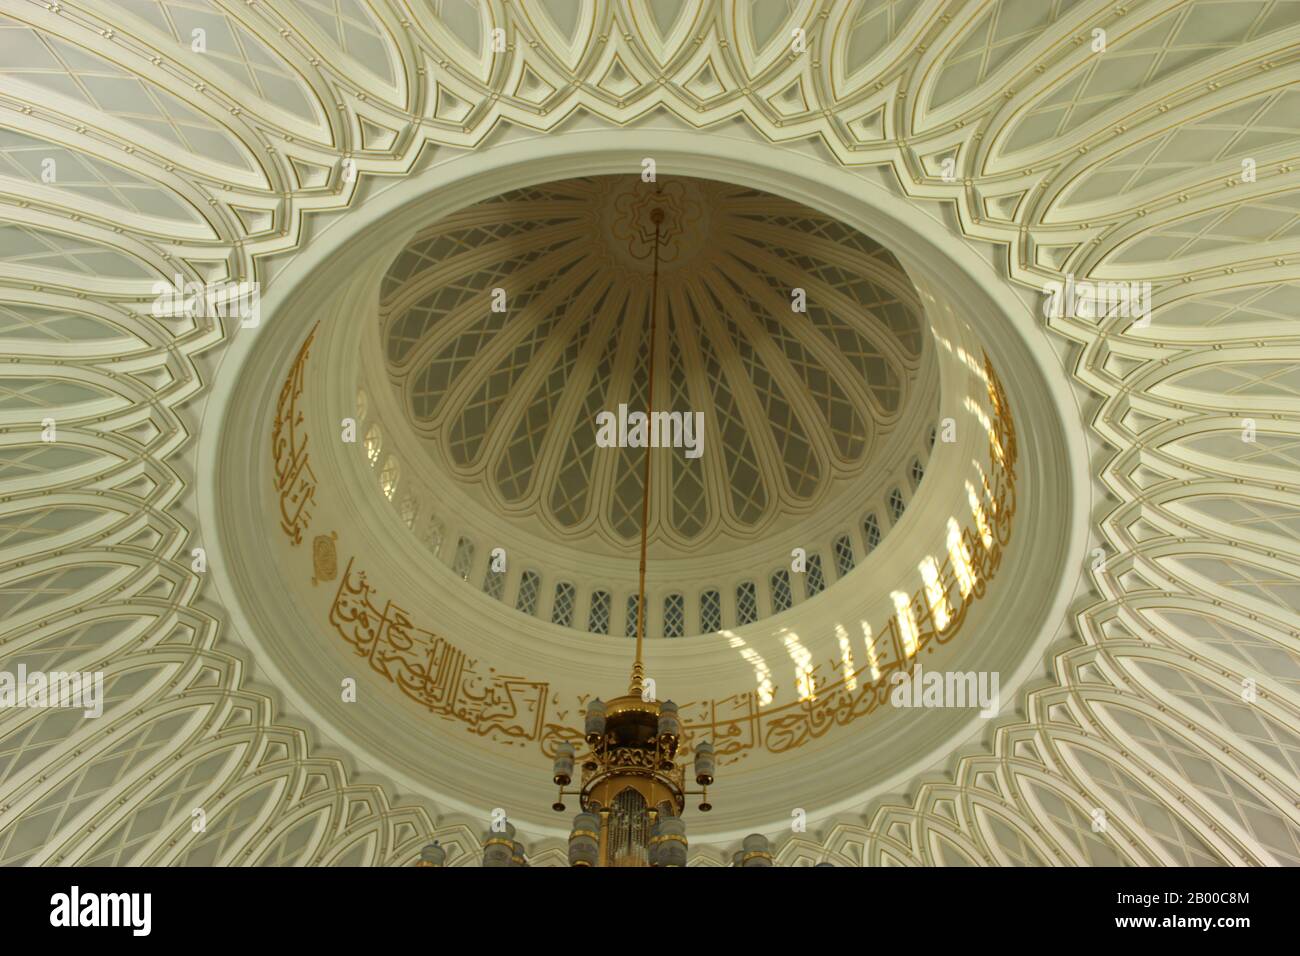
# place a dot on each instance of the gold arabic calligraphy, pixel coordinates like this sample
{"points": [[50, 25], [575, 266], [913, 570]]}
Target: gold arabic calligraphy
{"points": [[295, 482], [440, 677]]}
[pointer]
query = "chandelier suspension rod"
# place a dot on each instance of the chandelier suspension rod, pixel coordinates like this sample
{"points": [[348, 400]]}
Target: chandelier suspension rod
{"points": [[638, 671]]}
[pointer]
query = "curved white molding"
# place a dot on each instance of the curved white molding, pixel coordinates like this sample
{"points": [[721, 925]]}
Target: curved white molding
{"points": [[684, 667], [1143, 713]]}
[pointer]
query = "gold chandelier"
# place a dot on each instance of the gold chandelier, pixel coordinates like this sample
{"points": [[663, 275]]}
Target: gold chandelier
{"points": [[632, 790]]}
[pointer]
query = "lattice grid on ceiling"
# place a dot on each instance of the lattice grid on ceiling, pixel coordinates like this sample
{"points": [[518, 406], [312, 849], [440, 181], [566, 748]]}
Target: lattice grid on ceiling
{"points": [[1131, 159], [792, 396]]}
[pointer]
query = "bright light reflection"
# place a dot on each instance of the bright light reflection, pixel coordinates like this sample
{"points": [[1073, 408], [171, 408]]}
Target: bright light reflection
{"points": [[977, 410], [941, 339], [998, 452], [762, 673], [846, 657], [803, 669], [988, 489], [871, 651], [388, 478], [940, 611], [973, 364], [906, 622], [977, 509], [961, 563]]}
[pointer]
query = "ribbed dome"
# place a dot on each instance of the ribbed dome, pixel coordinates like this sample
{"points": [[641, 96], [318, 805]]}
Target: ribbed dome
{"points": [[1153, 572], [792, 400]]}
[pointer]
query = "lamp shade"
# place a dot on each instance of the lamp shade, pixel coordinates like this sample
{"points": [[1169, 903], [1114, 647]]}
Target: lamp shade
{"points": [[670, 725], [432, 855], [499, 846], [584, 840], [704, 762], [757, 851], [669, 839], [562, 768], [595, 724]]}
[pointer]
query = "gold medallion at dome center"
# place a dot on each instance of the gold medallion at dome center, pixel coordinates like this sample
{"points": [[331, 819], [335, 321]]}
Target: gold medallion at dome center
{"points": [[629, 220]]}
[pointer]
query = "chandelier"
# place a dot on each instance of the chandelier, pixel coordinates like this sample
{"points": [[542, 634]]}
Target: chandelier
{"points": [[632, 788]]}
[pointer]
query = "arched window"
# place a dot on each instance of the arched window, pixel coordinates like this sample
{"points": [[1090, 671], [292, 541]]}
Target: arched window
{"points": [[918, 472], [843, 555], [674, 615], [710, 611], [388, 477], [464, 559], [407, 510], [494, 583], [631, 615], [896, 506], [374, 440], [598, 619], [526, 600], [815, 578], [433, 535], [781, 596], [746, 603], [871, 531], [562, 609]]}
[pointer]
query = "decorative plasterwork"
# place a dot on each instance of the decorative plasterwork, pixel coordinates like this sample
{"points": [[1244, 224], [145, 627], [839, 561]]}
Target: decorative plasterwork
{"points": [[1065, 159], [792, 345], [440, 677], [270, 600], [795, 394]]}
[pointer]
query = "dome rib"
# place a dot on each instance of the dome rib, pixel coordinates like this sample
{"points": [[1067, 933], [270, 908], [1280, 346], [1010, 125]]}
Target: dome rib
{"points": [[473, 354], [480, 421], [745, 476], [576, 466], [794, 404], [876, 295], [867, 368], [566, 379], [802, 359], [444, 296]]}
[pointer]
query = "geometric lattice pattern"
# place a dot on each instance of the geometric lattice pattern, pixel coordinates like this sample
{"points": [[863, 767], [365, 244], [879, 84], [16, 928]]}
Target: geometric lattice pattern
{"points": [[1172, 714], [598, 619], [493, 316]]}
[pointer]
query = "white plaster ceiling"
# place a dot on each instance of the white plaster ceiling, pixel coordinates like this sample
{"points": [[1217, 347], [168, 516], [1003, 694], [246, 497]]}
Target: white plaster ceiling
{"points": [[793, 405], [464, 697], [1123, 164], [810, 419]]}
